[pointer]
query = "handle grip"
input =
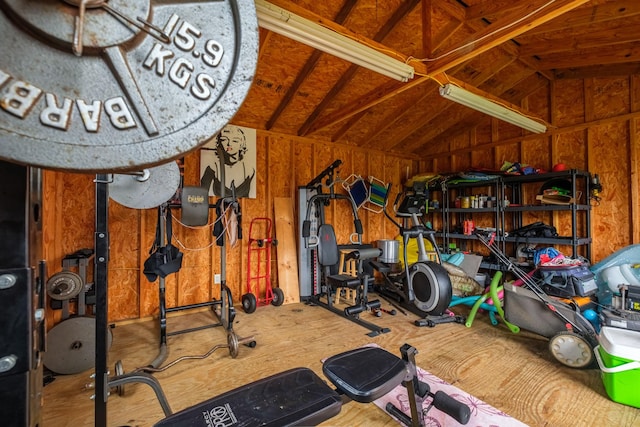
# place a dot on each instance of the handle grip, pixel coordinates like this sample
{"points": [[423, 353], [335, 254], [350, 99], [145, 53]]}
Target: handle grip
{"points": [[353, 310], [447, 404], [404, 418]]}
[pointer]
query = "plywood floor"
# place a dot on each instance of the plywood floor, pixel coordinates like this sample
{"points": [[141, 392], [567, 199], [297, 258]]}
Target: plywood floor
{"points": [[514, 373]]}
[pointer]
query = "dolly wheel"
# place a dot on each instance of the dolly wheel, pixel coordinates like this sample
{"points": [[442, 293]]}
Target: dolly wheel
{"points": [[571, 350], [278, 297], [249, 303]]}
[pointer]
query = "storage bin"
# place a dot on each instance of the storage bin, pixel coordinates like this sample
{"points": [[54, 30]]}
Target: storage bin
{"points": [[619, 358]]}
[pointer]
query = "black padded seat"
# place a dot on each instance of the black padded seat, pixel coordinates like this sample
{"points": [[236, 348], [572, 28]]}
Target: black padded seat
{"points": [[365, 374], [297, 397], [343, 281]]}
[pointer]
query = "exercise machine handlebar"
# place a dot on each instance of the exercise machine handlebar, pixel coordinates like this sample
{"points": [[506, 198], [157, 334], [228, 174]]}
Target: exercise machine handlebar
{"points": [[328, 171], [441, 401]]}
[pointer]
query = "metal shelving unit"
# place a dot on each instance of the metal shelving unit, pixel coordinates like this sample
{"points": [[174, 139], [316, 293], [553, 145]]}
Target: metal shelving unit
{"points": [[521, 192]]}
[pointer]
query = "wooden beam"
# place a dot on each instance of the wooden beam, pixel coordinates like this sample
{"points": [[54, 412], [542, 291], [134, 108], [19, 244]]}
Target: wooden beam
{"points": [[327, 23], [400, 13], [374, 97], [615, 70], [610, 35], [489, 7], [441, 114], [465, 120], [623, 53], [595, 12], [550, 132], [307, 68], [497, 33]]}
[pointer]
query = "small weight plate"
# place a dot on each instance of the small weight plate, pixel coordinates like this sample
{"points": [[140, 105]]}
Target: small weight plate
{"points": [[232, 342], [150, 191], [64, 285], [71, 346], [139, 95], [119, 370]]}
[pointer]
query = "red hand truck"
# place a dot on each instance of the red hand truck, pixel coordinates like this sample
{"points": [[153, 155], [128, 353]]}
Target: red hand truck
{"points": [[259, 246]]}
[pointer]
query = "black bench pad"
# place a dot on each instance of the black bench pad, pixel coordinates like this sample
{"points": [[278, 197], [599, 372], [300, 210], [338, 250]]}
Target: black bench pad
{"points": [[365, 374], [343, 281], [294, 397]]}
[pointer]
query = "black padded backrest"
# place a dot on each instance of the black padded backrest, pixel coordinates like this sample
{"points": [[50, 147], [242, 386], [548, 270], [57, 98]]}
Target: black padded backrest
{"points": [[365, 374], [328, 253]]}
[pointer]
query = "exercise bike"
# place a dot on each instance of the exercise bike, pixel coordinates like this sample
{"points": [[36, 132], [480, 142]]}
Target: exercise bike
{"points": [[422, 287]]}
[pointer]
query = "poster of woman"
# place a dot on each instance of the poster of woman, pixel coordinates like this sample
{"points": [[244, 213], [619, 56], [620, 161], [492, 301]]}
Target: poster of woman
{"points": [[238, 147]]}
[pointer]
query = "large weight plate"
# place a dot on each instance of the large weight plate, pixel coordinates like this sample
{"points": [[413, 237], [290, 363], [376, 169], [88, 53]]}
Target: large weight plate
{"points": [[149, 191], [131, 100], [71, 345]]}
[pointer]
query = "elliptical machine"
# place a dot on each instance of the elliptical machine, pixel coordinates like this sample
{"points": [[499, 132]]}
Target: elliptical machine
{"points": [[422, 287]]}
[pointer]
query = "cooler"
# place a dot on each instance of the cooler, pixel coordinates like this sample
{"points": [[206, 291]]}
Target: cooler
{"points": [[619, 358]]}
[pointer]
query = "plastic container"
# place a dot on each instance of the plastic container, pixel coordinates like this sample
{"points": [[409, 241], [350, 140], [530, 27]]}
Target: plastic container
{"points": [[618, 356]]}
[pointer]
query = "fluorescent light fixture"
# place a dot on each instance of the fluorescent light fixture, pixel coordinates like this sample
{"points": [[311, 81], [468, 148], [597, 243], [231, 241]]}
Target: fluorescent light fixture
{"points": [[477, 102], [285, 23]]}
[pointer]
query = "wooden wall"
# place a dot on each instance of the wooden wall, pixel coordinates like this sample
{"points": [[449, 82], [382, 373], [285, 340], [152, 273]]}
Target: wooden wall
{"points": [[283, 163], [595, 128]]}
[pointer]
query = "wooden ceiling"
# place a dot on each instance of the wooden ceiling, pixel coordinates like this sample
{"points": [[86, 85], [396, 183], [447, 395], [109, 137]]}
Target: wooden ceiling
{"points": [[509, 49]]}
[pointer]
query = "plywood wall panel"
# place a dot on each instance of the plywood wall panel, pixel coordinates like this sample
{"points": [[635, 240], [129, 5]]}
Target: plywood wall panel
{"points": [[304, 162], [568, 99], [279, 169], [611, 220], [609, 97], [123, 294], [537, 153], [571, 149], [286, 162], [507, 153]]}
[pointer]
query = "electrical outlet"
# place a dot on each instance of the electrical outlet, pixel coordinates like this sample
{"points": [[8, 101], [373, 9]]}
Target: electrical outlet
{"points": [[216, 279]]}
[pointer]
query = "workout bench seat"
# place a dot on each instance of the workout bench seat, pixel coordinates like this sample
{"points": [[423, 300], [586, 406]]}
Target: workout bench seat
{"points": [[299, 396]]}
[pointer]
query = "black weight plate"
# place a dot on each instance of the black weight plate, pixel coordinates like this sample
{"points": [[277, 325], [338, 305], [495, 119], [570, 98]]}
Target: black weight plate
{"points": [[64, 285]]}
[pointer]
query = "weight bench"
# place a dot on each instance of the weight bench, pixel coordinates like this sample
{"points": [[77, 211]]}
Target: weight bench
{"points": [[300, 397], [328, 257]]}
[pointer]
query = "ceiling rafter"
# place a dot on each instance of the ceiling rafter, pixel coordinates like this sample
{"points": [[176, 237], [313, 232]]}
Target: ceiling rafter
{"points": [[397, 16], [594, 39], [597, 36], [443, 108], [489, 38], [584, 16], [362, 104], [614, 70], [623, 53], [308, 67], [489, 7], [470, 118]]}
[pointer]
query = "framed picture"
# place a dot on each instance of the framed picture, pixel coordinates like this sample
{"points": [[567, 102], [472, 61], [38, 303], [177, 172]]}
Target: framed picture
{"points": [[237, 146]]}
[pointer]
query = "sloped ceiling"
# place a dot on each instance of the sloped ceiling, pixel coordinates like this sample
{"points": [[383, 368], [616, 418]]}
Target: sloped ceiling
{"points": [[508, 49]]}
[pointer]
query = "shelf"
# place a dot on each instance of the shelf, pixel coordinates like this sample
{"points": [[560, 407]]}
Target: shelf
{"points": [[519, 179], [473, 210], [521, 191], [549, 240], [532, 208]]}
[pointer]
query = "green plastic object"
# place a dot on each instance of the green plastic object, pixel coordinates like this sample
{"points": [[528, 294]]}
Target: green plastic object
{"points": [[494, 289]]}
